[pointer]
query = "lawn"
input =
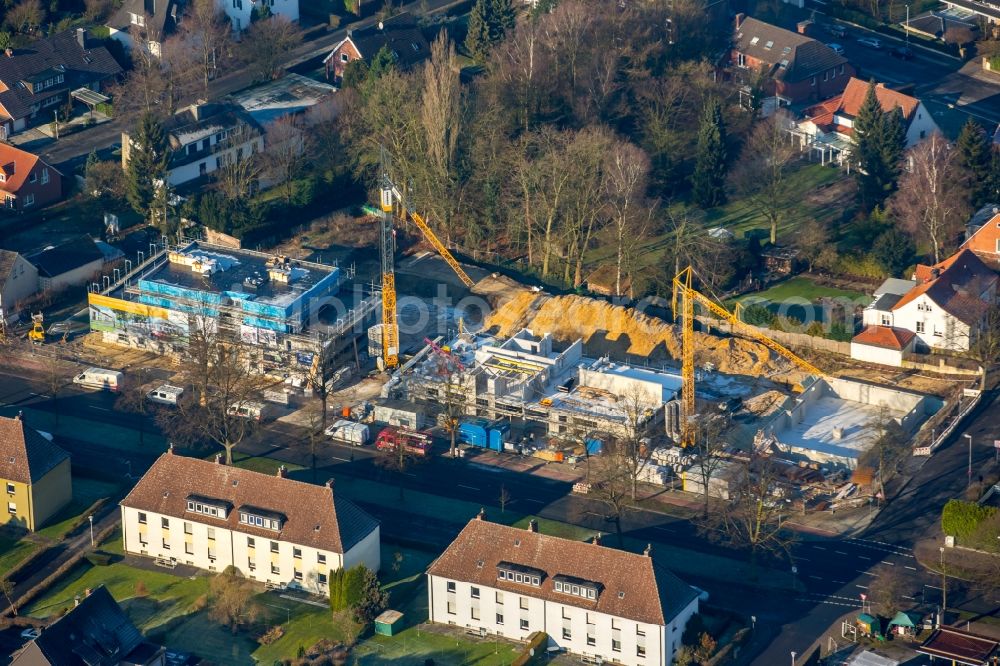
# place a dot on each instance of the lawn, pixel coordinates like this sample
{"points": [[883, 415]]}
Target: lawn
{"points": [[13, 551], [260, 464], [802, 288], [86, 491]]}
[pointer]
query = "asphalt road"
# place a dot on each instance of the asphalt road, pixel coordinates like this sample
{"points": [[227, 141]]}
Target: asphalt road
{"points": [[832, 573]]}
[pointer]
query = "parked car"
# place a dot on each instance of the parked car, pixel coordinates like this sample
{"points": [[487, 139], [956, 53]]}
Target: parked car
{"points": [[836, 29], [902, 52], [30, 634], [871, 42], [836, 48]]}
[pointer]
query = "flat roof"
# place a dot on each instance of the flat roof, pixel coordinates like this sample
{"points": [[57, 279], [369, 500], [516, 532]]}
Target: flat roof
{"points": [[290, 94], [235, 267], [959, 646], [827, 415]]}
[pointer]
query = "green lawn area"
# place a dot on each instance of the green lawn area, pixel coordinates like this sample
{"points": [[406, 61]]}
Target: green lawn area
{"points": [[86, 491], [13, 551], [801, 288], [259, 464]]}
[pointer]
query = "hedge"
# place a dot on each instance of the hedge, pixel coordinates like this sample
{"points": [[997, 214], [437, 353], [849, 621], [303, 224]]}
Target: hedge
{"points": [[963, 519], [534, 652]]}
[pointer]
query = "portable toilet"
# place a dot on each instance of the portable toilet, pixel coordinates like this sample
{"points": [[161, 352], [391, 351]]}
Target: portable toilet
{"points": [[388, 623]]}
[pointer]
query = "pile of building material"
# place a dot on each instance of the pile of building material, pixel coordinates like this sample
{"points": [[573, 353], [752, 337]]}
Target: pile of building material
{"points": [[616, 330]]}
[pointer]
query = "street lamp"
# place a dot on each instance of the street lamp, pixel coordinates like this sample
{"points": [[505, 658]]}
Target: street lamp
{"points": [[907, 31], [969, 437], [793, 658], [753, 620], [944, 586], [91, 517]]}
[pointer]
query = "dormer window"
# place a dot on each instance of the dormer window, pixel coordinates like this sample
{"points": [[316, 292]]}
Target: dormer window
{"points": [[769, 45], [208, 506], [516, 573], [577, 587], [255, 517], [753, 42]]}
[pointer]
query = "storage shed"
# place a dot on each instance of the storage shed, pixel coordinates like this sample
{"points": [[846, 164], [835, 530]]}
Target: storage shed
{"points": [[388, 623], [401, 413]]}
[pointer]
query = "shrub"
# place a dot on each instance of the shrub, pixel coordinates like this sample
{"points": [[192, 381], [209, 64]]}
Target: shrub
{"points": [[98, 558], [962, 519], [272, 634], [140, 589], [758, 315]]}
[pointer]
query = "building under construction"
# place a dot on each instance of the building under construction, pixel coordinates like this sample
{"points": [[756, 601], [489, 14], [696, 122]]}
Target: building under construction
{"points": [[526, 377], [287, 309]]}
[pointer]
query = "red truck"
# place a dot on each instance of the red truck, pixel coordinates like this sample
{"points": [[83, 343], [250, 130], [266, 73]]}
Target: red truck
{"points": [[414, 442]]}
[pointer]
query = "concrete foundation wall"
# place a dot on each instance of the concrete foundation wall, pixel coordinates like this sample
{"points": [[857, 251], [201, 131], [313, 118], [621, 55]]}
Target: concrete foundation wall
{"points": [[648, 392], [914, 406]]}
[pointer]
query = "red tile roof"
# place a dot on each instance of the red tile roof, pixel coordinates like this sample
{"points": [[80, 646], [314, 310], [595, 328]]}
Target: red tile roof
{"points": [[954, 285], [17, 164], [884, 336], [849, 103], [960, 646], [26, 456], [314, 515], [632, 586]]}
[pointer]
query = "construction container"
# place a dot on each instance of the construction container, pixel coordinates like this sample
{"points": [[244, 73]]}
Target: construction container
{"points": [[474, 432], [388, 623], [499, 433], [550, 455], [346, 412], [400, 413], [594, 447], [349, 432]]}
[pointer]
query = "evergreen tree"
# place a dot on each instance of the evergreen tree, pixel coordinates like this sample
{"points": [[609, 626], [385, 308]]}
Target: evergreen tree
{"points": [[382, 63], [709, 178], [148, 156], [879, 143], [477, 39], [975, 158], [502, 19], [994, 178], [892, 149]]}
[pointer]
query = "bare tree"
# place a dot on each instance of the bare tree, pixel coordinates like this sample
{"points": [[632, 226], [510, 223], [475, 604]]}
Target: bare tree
{"points": [[7, 589], [630, 449], [266, 45], [889, 447], [97, 10], [231, 599], [625, 187], [752, 517], [762, 170], [613, 487], [709, 449], [928, 202], [26, 16], [812, 238], [503, 498], [886, 592], [285, 144], [133, 398], [398, 459], [984, 345], [583, 214], [242, 168], [206, 32]]}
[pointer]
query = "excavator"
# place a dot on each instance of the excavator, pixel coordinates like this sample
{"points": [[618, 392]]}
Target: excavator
{"points": [[37, 332]]}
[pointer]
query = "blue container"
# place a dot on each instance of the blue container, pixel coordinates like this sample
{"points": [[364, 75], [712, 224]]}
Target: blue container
{"points": [[498, 435], [594, 446], [473, 433]]}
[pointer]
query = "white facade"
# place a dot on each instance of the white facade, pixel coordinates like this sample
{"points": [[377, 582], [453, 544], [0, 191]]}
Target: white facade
{"points": [[75, 277], [240, 11], [20, 283], [273, 561], [875, 354], [934, 327], [574, 629], [214, 155]]}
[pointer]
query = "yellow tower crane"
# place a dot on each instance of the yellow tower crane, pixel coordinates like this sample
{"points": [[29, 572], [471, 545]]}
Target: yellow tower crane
{"points": [[390, 197], [688, 296]]}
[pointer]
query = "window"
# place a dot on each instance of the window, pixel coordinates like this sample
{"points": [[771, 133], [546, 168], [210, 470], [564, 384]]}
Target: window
{"points": [[769, 45], [10, 488], [251, 543], [11, 507], [591, 639], [885, 320], [640, 650], [451, 607], [741, 60], [524, 603], [812, 81], [250, 565], [499, 618], [275, 569], [499, 597], [616, 644], [33, 177], [321, 579], [142, 516], [321, 558], [923, 134], [211, 534], [297, 575], [166, 545], [474, 612], [297, 553], [920, 327], [567, 634], [274, 546], [753, 42], [165, 523], [451, 586], [188, 548], [343, 57], [475, 592], [187, 528], [826, 76], [211, 553], [524, 624], [29, 199]]}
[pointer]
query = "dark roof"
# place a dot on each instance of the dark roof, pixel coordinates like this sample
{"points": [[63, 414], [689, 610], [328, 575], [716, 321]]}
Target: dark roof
{"points": [[69, 255], [161, 16], [805, 56], [315, 516], [978, 7], [59, 54], [955, 284], [201, 121], [400, 33], [631, 586], [95, 633], [7, 259], [962, 647], [26, 456]]}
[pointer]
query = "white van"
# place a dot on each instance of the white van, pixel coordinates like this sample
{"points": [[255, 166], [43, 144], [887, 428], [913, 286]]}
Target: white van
{"points": [[255, 411], [165, 395], [99, 378], [349, 432]]}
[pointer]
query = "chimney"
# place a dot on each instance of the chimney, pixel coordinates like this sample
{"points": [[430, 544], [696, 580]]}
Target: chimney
{"points": [[533, 526], [76, 601], [329, 482], [282, 472], [648, 552], [482, 513], [935, 273], [170, 447], [597, 539], [218, 459], [9, 52], [20, 415], [739, 20], [87, 592], [81, 37]]}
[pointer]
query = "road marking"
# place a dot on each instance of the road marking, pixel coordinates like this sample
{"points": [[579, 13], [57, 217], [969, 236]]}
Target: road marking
{"points": [[409, 473], [534, 501], [840, 552], [341, 459], [103, 409], [910, 598], [865, 557], [889, 563], [819, 547], [816, 577], [802, 559], [467, 487], [839, 582], [933, 587], [909, 567], [863, 587], [665, 529], [39, 395]]}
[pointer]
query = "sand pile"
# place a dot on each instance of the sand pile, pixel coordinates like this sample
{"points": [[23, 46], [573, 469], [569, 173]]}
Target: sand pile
{"points": [[607, 328]]}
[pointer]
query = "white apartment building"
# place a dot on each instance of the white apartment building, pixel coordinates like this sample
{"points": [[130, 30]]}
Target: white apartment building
{"points": [[271, 528], [241, 11], [591, 600]]}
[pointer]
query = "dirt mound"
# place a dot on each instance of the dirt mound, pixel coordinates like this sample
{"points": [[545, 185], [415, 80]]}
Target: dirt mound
{"points": [[616, 330]]}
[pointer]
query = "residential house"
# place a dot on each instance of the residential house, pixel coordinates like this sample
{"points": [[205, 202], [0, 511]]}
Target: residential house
{"points": [[291, 95], [71, 263], [34, 473], [987, 10], [39, 78], [154, 20], [943, 306], [96, 631], [240, 12], [886, 345], [796, 68], [18, 281], [400, 34], [272, 529], [595, 602], [829, 126], [27, 181], [203, 138], [986, 213], [985, 240]]}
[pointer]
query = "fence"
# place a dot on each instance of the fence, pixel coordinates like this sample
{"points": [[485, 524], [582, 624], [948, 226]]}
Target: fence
{"points": [[962, 407], [786, 337]]}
